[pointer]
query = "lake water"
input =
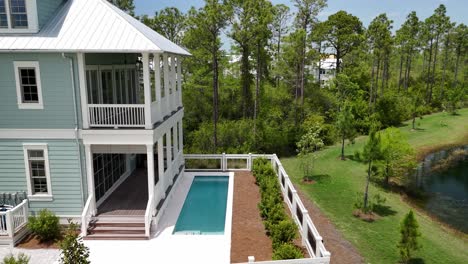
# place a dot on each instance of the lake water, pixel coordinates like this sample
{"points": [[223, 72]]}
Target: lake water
{"points": [[447, 189]]}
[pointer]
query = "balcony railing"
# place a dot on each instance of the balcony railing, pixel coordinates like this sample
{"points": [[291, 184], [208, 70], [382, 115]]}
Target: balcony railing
{"points": [[13, 221], [116, 115]]}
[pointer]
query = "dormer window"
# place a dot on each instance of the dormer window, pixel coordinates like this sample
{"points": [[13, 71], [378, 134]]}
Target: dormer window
{"points": [[18, 16]]}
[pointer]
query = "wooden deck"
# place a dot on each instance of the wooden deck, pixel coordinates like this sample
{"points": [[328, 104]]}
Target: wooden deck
{"points": [[129, 199]]}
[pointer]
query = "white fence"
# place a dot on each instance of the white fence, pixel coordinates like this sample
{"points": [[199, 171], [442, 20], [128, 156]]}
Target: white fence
{"points": [[116, 115], [12, 221], [311, 238]]}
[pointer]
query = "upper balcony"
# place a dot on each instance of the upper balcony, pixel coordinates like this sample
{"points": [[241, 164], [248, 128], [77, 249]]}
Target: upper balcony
{"points": [[129, 90]]}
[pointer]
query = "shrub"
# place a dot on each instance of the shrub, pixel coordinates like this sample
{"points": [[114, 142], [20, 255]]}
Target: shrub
{"points": [[10, 259], [73, 251], [287, 251], [409, 231], [45, 226], [283, 232]]}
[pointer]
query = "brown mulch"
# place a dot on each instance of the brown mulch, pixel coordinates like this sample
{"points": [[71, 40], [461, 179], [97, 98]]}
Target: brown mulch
{"points": [[342, 251], [31, 242], [248, 236]]}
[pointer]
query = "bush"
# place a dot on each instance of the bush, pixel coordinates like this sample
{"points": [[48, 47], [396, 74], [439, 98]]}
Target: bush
{"points": [[10, 259], [287, 251], [45, 226], [72, 247], [281, 229], [283, 232]]}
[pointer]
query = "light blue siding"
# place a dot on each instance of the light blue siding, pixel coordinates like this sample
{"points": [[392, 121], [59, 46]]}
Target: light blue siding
{"points": [[64, 173], [57, 93], [46, 10]]}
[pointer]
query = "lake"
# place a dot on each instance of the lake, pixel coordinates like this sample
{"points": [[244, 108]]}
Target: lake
{"points": [[447, 189]]}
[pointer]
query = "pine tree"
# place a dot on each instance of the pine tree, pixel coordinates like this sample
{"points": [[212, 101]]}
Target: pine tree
{"points": [[409, 230]]}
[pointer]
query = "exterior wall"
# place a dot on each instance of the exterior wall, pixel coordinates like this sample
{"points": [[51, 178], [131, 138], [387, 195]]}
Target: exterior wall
{"points": [[110, 58], [57, 93], [64, 173], [46, 9]]}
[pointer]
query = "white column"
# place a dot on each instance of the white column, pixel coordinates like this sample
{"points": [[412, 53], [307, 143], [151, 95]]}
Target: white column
{"points": [[83, 90], [181, 137], [90, 176], [179, 80], [150, 168], [166, 85], [176, 138], [162, 179], [147, 90], [157, 83], [174, 84], [169, 156]]}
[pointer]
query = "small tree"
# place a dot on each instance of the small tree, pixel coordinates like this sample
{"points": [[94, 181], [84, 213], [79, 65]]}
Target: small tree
{"points": [[345, 127], [72, 247], [309, 143], [409, 230], [397, 154], [371, 153]]}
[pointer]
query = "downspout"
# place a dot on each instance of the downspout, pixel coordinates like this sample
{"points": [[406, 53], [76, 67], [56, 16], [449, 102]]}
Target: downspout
{"points": [[75, 109]]}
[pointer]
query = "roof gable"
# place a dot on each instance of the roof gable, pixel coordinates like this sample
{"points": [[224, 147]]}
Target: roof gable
{"points": [[91, 26]]}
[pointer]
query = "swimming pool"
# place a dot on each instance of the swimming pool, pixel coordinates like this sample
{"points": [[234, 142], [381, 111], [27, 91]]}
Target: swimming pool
{"points": [[204, 209]]}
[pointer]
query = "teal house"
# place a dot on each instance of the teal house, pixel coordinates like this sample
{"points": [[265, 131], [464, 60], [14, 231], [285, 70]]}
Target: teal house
{"points": [[90, 117]]}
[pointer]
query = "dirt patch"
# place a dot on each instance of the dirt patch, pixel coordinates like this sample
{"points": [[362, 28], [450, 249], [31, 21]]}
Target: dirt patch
{"points": [[368, 217], [31, 242], [248, 233], [342, 251]]}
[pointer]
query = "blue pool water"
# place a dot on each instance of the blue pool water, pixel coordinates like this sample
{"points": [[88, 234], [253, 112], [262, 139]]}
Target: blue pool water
{"points": [[204, 210]]}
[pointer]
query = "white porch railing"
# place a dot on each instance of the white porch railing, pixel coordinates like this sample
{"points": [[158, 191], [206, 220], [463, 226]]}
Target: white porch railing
{"points": [[88, 212], [149, 215], [116, 115], [311, 238], [14, 220]]}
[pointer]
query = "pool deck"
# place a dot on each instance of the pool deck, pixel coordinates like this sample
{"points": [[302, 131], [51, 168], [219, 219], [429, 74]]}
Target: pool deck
{"points": [[164, 247]]}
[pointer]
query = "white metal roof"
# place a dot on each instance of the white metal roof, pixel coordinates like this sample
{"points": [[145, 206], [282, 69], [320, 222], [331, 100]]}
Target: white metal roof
{"points": [[91, 26]]}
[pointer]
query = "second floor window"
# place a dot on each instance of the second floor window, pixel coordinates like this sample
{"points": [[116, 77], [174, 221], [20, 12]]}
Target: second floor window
{"points": [[28, 84]]}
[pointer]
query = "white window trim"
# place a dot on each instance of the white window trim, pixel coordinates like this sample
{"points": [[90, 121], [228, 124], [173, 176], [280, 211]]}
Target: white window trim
{"points": [[37, 197], [33, 21], [19, 96]]}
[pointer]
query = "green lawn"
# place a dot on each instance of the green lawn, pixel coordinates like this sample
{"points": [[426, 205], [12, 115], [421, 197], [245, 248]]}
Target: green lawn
{"points": [[339, 181]]}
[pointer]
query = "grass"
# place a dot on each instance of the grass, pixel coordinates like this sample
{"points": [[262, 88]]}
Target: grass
{"points": [[337, 182]]}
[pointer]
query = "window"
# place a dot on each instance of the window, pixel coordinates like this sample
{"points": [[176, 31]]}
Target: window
{"points": [[18, 16], [28, 84], [3, 15], [36, 159]]}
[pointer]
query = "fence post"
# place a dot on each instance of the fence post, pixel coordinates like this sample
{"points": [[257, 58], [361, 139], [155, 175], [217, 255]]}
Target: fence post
{"points": [[294, 202], [251, 259], [25, 211], [318, 245], [249, 162], [9, 224], [223, 162], [304, 228]]}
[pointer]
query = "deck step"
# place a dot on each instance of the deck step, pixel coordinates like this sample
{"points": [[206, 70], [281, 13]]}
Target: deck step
{"points": [[116, 237], [117, 228]]}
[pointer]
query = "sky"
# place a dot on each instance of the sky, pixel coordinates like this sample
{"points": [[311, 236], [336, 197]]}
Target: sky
{"points": [[366, 10]]}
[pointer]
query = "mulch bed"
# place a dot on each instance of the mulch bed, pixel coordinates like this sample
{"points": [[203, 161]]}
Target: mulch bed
{"points": [[31, 242], [248, 236], [342, 251]]}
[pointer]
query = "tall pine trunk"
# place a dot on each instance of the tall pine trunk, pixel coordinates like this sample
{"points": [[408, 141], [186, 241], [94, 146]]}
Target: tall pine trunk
{"points": [[436, 51], [428, 76], [215, 96], [245, 81], [401, 72]]}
